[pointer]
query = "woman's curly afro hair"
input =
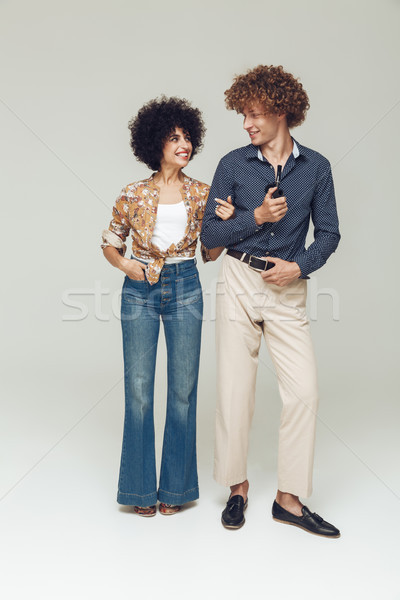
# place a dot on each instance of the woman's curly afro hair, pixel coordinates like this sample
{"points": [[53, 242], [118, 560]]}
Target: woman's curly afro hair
{"points": [[155, 122], [277, 90]]}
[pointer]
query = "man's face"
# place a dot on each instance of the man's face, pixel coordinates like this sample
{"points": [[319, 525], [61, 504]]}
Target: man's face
{"points": [[261, 127]]}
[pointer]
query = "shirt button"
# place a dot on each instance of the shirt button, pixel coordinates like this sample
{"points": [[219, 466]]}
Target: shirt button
{"points": [[267, 253], [272, 233]]}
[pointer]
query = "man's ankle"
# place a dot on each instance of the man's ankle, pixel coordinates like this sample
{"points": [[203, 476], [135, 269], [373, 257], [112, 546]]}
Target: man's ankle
{"points": [[240, 489], [289, 502]]}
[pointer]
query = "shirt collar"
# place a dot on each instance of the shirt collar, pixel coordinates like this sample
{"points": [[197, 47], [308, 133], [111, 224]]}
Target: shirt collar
{"points": [[255, 152]]}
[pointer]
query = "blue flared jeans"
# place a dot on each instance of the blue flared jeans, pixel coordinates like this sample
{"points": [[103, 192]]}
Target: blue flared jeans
{"points": [[177, 300]]}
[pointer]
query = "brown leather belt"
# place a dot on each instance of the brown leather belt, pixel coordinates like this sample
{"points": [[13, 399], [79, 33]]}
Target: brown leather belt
{"points": [[259, 264]]}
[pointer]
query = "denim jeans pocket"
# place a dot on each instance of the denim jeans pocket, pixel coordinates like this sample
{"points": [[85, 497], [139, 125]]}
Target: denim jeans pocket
{"points": [[135, 291], [188, 289]]}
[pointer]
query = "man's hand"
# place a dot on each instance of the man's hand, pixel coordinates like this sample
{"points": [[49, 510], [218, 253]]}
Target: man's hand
{"points": [[271, 210], [133, 268], [283, 273], [225, 210]]}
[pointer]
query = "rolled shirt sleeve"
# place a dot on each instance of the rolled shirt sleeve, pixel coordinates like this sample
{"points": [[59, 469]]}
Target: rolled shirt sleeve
{"points": [[119, 227]]}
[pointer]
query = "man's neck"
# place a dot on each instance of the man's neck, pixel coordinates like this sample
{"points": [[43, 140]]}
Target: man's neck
{"points": [[277, 151]]}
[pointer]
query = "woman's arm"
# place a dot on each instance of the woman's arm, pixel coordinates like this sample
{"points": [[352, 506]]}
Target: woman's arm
{"points": [[133, 268], [225, 211]]}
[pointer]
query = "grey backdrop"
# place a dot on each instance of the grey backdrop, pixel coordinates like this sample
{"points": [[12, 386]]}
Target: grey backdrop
{"points": [[72, 75]]}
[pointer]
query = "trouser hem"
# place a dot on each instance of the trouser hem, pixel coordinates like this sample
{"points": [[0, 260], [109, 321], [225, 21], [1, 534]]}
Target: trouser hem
{"points": [[228, 481], [303, 492]]}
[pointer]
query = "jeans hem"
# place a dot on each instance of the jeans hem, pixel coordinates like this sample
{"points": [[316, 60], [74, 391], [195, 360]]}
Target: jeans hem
{"points": [[136, 500], [178, 499]]}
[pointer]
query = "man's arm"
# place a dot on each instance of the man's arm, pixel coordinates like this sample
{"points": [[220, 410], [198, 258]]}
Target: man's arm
{"points": [[326, 225], [216, 232], [326, 236]]}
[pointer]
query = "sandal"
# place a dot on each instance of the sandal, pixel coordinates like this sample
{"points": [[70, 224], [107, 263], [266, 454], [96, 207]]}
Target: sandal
{"points": [[145, 511], [169, 509]]}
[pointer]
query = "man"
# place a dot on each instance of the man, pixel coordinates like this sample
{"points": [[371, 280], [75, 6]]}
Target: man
{"points": [[262, 288]]}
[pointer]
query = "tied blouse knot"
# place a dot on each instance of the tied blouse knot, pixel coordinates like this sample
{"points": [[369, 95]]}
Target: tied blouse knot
{"points": [[135, 210]]}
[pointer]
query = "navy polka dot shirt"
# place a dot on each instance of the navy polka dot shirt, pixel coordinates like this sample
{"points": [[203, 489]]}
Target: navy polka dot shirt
{"points": [[307, 183]]}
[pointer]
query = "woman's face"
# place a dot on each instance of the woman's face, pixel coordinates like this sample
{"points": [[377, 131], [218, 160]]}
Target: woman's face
{"points": [[177, 149]]}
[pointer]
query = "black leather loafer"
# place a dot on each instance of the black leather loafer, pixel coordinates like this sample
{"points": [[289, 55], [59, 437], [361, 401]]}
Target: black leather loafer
{"points": [[232, 516], [309, 521]]}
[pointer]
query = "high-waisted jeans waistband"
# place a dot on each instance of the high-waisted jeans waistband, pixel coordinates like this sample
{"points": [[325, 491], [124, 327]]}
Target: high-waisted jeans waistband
{"points": [[174, 268]]}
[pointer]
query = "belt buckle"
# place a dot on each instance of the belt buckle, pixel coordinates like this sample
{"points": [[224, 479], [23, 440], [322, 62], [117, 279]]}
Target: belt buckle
{"points": [[257, 258]]}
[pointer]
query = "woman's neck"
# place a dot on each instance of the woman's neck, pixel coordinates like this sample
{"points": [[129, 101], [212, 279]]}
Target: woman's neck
{"points": [[169, 176]]}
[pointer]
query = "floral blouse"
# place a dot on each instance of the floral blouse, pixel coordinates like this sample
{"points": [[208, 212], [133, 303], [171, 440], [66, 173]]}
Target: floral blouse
{"points": [[136, 209]]}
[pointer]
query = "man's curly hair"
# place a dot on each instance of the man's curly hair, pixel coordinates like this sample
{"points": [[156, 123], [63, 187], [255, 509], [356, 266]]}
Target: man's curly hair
{"points": [[155, 122], [277, 90]]}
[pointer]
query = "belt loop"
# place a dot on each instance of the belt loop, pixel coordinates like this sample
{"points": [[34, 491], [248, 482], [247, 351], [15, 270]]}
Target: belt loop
{"points": [[242, 257]]}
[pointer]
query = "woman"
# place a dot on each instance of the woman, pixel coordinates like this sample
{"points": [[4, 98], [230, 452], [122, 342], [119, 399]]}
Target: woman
{"points": [[164, 214]]}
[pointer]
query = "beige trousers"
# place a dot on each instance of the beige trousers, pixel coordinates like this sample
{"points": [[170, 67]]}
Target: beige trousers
{"points": [[248, 308]]}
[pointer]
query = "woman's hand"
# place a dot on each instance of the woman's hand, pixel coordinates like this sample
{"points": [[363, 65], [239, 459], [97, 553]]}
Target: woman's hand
{"points": [[225, 210], [133, 269]]}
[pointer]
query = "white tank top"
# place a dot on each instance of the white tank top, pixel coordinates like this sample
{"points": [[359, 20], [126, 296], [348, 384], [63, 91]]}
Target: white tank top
{"points": [[170, 228]]}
